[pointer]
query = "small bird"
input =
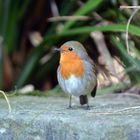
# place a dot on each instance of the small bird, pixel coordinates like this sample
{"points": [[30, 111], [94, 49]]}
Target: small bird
{"points": [[76, 72]]}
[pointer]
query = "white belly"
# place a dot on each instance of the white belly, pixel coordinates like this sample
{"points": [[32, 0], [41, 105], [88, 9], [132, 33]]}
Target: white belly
{"points": [[76, 86]]}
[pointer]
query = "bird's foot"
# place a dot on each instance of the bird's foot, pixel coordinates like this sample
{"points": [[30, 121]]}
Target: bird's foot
{"points": [[87, 107], [69, 107]]}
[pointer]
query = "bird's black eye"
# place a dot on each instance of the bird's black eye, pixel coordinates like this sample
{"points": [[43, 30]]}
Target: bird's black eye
{"points": [[70, 49]]}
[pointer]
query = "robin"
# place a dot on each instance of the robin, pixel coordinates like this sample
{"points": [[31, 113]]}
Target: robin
{"points": [[76, 73]]}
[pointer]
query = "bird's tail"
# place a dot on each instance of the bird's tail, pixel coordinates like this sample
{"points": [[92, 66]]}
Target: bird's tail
{"points": [[83, 99]]}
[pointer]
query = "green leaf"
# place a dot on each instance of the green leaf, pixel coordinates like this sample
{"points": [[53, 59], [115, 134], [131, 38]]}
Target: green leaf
{"points": [[128, 60], [10, 31], [23, 8], [31, 63], [136, 52], [86, 8], [66, 7], [135, 30]]}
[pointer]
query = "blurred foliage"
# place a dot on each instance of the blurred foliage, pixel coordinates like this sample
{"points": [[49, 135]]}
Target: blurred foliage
{"points": [[27, 38]]}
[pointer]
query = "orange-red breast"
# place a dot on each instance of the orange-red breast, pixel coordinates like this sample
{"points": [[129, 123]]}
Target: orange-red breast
{"points": [[76, 73]]}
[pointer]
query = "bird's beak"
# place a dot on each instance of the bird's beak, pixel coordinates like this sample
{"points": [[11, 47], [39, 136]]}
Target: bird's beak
{"points": [[57, 49]]}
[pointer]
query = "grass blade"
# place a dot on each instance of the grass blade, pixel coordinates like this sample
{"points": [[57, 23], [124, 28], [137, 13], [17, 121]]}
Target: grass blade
{"points": [[85, 9], [7, 100], [128, 60], [135, 30], [31, 63]]}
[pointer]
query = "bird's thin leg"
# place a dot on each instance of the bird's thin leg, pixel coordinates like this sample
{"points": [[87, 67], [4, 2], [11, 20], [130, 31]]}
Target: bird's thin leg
{"points": [[87, 107], [70, 101]]}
